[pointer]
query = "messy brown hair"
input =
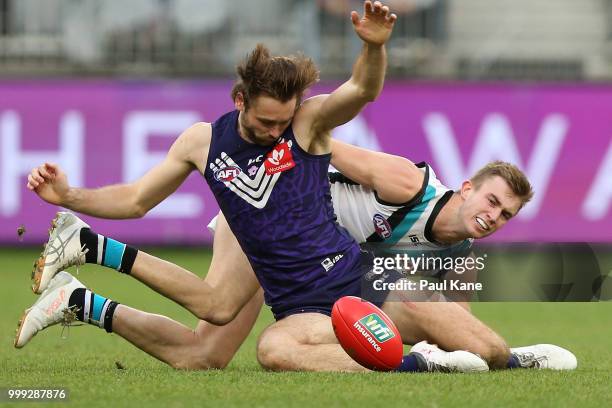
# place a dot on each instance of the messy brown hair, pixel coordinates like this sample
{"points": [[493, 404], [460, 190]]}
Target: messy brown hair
{"points": [[281, 78], [512, 175]]}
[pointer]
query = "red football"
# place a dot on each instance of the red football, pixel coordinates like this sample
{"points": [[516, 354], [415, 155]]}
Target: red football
{"points": [[367, 334]]}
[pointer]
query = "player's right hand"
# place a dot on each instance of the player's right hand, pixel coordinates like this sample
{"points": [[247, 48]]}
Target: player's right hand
{"points": [[49, 182], [376, 24]]}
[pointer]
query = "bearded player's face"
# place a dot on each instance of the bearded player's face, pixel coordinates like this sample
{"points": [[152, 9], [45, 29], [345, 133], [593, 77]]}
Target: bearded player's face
{"points": [[265, 119]]}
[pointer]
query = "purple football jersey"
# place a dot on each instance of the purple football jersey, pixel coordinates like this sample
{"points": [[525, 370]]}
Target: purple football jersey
{"points": [[277, 202]]}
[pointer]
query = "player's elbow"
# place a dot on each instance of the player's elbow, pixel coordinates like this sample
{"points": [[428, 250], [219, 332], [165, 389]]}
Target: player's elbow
{"points": [[368, 94], [391, 189], [138, 211], [139, 207], [362, 91], [396, 179]]}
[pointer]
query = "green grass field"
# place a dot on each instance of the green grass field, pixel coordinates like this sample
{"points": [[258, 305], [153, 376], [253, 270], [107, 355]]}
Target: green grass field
{"points": [[85, 361]]}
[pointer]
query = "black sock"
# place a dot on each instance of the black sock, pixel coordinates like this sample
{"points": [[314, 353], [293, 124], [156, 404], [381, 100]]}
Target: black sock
{"points": [[108, 252], [412, 362], [513, 362], [92, 308], [128, 259], [90, 240]]}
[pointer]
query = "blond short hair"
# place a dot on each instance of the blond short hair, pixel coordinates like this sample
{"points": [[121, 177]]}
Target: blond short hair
{"points": [[512, 175]]}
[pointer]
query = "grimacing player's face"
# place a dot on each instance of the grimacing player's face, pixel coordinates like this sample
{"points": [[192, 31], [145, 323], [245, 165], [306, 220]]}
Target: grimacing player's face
{"points": [[488, 207], [266, 118]]}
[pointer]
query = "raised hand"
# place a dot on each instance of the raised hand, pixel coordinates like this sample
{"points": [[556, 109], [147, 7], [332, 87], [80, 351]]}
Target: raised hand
{"points": [[376, 24], [49, 182]]}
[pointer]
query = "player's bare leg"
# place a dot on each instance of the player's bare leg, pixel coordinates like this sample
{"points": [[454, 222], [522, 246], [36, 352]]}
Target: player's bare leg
{"points": [[306, 342], [303, 342], [230, 278], [449, 326], [216, 299], [208, 346], [71, 242]]}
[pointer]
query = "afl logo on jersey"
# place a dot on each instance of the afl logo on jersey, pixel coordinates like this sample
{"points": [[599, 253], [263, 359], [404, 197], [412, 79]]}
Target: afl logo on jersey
{"points": [[227, 173], [381, 226]]}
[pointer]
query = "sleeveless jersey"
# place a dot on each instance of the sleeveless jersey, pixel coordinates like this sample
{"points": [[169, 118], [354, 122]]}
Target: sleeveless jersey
{"points": [[395, 228], [277, 202]]}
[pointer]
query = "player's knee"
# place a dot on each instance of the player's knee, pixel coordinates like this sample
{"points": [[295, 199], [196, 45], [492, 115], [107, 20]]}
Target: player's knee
{"points": [[206, 360], [186, 364], [199, 357], [219, 316], [271, 351], [197, 363], [268, 353]]}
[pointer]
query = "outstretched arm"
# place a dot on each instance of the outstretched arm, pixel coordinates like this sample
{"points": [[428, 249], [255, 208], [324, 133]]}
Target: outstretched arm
{"points": [[325, 112], [394, 178], [131, 200]]}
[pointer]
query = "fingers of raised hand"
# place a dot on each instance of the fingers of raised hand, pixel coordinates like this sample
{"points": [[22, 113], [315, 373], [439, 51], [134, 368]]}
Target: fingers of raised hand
{"points": [[32, 183], [378, 10], [372, 8], [36, 176], [44, 172], [51, 168]]}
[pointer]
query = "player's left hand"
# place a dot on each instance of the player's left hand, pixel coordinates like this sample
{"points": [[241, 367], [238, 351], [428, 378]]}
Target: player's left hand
{"points": [[376, 24]]}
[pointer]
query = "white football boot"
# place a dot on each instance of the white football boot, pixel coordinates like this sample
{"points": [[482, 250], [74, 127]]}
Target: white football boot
{"points": [[449, 361], [51, 308], [62, 251], [545, 356]]}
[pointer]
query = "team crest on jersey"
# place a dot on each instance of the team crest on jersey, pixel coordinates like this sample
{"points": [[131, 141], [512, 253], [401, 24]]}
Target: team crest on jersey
{"points": [[279, 159], [381, 226], [227, 173], [255, 187]]}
